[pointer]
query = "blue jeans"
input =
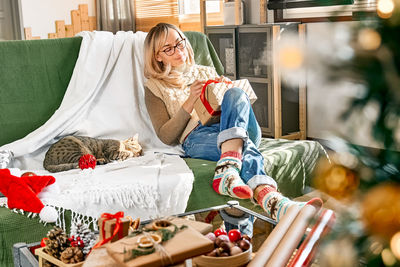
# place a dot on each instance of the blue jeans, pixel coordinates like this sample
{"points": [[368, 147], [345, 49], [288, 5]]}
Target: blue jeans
{"points": [[237, 121]]}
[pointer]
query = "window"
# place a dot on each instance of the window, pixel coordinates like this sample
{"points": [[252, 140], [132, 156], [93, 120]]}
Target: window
{"points": [[189, 14], [183, 13], [189, 7], [149, 13]]}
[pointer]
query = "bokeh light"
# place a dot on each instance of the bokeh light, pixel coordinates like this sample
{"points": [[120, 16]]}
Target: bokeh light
{"points": [[385, 8], [336, 180], [381, 210], [291, 57], [395, 245], [388, 257], [369, 39]]}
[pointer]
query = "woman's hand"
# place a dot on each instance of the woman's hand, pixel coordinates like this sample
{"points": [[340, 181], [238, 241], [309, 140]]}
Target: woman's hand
{"points": [[195, 91]]}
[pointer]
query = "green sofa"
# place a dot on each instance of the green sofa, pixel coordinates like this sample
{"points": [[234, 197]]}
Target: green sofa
{"points": [[33, 78]]}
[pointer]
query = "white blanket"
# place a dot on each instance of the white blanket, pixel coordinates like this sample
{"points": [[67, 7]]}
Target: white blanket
{"points": [[105, 99]]}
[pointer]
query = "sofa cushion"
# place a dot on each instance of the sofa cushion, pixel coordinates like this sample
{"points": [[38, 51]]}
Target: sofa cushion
{"points": [[33, 76]]}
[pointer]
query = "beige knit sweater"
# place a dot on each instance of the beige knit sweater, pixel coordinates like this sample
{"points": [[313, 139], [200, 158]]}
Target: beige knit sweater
{"points": [[170, 121]]}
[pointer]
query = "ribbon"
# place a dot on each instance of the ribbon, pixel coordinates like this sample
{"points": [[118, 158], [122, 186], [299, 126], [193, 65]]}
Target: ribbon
{"points": [[205, 102], [107, 217]]}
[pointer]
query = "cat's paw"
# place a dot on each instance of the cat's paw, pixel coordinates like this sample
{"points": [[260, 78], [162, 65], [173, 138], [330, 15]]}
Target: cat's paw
{"points": [[123, 155], [101, 161]]}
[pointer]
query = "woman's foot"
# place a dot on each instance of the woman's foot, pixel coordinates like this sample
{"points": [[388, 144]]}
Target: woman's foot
{"points": [[276, 205], [227, 179]]}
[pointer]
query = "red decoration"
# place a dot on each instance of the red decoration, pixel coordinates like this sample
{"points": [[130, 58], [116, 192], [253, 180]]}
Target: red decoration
{"points": [[107, 217], [21, 192], [207, 105], [43, 243], [87, 161], [76, 242], [234, 235], [28, 174], [210, 216], [219, 232]]}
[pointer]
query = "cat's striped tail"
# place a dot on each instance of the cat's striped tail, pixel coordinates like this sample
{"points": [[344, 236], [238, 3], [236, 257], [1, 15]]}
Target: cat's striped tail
{"points": [[61, 167]]}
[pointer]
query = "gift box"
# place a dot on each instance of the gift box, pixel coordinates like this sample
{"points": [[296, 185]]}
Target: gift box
{"points": [[208, 106], [107, 226], [202, 227], [186, 243], [99, 258]]}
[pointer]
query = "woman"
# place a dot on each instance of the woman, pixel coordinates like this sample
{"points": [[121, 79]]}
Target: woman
{"points": [[174, 84]]}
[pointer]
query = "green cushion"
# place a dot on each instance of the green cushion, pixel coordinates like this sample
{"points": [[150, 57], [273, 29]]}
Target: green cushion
{"points": [[204, 52], [15, 228], [33, 76]]}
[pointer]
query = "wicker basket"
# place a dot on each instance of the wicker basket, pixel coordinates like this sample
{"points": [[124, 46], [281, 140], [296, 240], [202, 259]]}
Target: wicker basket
{"points": [[232, 261]]}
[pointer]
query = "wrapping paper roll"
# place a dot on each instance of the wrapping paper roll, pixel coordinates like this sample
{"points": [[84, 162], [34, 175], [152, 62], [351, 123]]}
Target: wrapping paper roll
{"points": [[270, 244], [292, 238], [307, 250]]}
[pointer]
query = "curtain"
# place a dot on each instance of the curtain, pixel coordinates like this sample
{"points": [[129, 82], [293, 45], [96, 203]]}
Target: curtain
{"points": [[115, 15]]}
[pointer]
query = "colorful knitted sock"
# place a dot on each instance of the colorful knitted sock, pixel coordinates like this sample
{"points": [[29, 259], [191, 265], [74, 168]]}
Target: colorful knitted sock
{"points": [[276, 205], [227, 179]]}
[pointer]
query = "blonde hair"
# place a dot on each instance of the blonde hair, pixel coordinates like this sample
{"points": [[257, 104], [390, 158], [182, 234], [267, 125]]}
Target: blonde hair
{"points": [[154, 41]]}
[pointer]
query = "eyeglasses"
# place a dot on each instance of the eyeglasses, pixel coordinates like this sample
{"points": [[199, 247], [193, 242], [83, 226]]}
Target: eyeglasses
{"points": [[169, 51]]}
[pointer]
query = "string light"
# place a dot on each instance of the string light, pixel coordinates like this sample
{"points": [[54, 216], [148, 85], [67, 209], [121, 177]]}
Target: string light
{"points": [[385, 8]]}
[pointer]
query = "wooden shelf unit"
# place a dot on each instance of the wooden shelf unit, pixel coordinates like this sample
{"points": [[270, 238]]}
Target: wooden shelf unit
{"points": [[278, 116]]}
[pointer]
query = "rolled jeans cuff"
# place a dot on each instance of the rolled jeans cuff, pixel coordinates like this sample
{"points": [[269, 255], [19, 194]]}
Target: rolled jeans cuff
{"points": [[231, 133], [257, 180]]}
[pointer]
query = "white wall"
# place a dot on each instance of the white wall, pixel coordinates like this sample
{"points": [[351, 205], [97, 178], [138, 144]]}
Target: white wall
{"points": [[326, 102], [41, 15]]}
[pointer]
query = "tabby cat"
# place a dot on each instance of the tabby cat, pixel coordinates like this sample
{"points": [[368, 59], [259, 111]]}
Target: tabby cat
{"points": [[65, 154]]}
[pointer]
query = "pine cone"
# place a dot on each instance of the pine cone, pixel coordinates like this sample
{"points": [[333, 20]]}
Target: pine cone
{"points": [[56, 243], [87, 236], [48, 264], [72, 255]]}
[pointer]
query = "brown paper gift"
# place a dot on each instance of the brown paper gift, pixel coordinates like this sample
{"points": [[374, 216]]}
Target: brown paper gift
{"points": [[187, 243], [109, 227], [208, 106], [99, 258], [202, 227]]}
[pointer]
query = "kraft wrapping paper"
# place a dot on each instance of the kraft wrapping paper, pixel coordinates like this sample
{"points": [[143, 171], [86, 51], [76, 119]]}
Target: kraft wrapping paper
{"points": [[267, 249]]}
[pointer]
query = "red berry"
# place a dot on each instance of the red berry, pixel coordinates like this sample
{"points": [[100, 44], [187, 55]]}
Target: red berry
{"points": [[28, 174], [234, 235], [219, 232]]}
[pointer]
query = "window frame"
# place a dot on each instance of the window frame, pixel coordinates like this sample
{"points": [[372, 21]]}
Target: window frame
{"points": [[213, 18]]}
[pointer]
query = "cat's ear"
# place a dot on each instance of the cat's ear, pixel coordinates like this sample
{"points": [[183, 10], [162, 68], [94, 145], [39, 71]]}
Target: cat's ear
{"points": [[135, 137]]}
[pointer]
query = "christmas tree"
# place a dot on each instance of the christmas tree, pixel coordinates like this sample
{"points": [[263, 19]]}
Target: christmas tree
{"points": [[367, 181]]}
